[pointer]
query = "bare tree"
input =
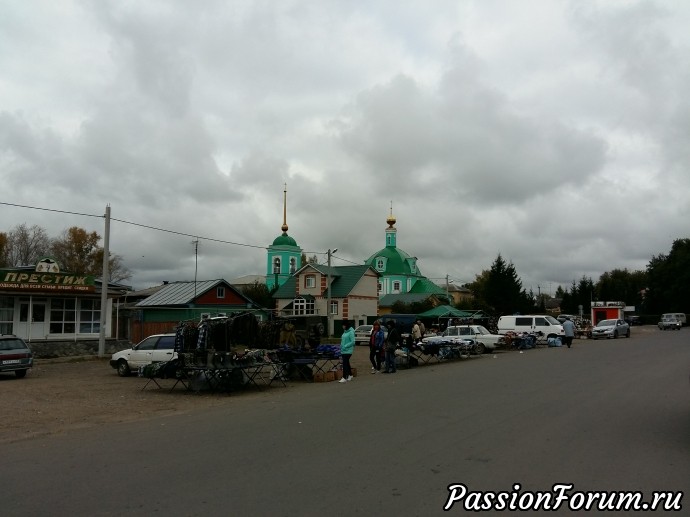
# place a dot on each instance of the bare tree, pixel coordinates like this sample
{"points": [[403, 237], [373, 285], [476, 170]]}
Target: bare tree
{"points": [[26, 246], [3, 250]]}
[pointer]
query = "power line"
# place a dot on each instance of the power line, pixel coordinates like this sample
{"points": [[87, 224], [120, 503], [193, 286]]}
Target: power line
{"points": [[50, 210], [174, 232], [211, 239]]}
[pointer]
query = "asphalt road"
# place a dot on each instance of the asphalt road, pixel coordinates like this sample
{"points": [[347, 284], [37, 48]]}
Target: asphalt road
{"points": [[604, 415]]}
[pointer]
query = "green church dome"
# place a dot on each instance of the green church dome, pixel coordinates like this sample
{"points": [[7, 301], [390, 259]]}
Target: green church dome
{"points": [[284, 240]]}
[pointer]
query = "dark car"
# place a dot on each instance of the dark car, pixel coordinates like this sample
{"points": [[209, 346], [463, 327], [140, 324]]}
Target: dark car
{"points": [[15, 356]]}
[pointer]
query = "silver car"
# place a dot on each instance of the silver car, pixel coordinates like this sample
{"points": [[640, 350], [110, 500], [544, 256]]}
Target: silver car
{"points": [[670, 323], [611, 329]]}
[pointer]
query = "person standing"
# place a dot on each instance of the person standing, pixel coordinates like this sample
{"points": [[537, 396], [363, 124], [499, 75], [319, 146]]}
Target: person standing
{"points": [[376, 347], [416, 333], [392, 342], [347, 346], [422, 328], [569, 331]]}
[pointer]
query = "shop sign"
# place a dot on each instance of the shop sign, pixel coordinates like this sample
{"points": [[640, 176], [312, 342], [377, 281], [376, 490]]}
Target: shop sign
{"points": [[44, 281]]}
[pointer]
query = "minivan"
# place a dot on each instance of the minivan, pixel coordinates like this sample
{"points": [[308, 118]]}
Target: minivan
{"points": [[680, 316], [548, 325]]}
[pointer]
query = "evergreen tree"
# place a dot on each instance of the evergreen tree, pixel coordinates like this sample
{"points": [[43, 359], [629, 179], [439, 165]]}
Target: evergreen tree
{"points": [[669, 280]]}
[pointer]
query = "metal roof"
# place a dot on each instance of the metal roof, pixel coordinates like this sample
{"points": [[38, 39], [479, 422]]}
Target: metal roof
{"points": [[180, 293]]}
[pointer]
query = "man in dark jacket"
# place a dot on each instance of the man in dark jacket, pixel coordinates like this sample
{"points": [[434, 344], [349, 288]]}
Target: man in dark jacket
{"points": [[392, 342]]}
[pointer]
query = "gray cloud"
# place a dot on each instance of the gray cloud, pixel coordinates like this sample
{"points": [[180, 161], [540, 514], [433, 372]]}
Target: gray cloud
{"points": [[551, 132]]}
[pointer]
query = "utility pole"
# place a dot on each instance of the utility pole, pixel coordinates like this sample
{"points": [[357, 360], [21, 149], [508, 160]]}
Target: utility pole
{"points": [[447, 290], [328, 294], [104, 283], [196, 262]]}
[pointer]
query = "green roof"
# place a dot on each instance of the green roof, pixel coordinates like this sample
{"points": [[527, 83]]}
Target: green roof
{"points": [[424, 285], [442, 311], [387, 300], [397, 261]]}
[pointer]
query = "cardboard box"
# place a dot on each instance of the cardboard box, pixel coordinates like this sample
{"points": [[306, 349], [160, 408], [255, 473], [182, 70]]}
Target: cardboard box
{"points": [[319, 377], [329, 376], [338, 374], [354, 372]]}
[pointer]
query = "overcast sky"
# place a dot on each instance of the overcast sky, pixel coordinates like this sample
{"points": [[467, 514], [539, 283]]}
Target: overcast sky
{"points": [[552, 132]]}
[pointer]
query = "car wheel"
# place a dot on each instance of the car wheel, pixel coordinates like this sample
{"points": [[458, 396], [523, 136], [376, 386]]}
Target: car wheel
{"points": [[20, 373], [123, 368], [615, 334], [627, 334], [481, 348]]}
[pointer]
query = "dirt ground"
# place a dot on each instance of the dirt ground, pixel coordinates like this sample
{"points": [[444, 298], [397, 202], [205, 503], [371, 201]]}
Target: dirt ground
{"points": [[58, 396]]}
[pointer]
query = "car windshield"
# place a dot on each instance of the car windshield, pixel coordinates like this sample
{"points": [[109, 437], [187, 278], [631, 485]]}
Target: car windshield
{"points": [[482, 330], [12, 344], [552, 320], [606, 323]]}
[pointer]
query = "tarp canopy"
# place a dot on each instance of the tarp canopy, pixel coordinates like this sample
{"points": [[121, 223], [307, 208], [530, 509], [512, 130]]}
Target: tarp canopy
{"points": [[445, 311]]}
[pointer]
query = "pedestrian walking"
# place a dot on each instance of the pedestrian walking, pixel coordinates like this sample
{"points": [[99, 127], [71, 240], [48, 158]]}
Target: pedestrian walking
{"points": [[376, 340], [392, 342], [569, 331], [347, 346]]}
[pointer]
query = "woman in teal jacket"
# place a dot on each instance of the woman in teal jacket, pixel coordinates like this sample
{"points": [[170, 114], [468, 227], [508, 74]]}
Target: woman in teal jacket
{"points": [[347, 346]]}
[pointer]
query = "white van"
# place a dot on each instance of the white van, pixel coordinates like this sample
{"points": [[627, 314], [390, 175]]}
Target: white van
{"points": [[548, 325], [680, 316]]}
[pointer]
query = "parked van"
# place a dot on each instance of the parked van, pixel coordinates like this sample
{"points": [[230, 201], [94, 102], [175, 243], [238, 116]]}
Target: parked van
{"points": [[680, 316], [548, 325]]}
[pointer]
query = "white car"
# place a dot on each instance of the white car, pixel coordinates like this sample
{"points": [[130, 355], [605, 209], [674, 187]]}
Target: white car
{"points": [[485, 339], [156, 348]]}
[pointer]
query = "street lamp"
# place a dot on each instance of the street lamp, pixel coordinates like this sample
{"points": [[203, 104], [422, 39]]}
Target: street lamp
{"points": [[329, 314]]}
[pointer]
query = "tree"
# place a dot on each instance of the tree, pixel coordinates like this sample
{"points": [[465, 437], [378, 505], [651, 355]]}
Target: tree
{"points": [[258, 292], [623, 285], [669, 280], [502, 289], [309, 260], [26, 245], [78, 251], [3, 250]]}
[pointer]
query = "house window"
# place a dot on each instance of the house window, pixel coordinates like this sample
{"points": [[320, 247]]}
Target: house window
{"points": [[303, 307], [396, 286], [334, 307], [293, 265], [6, 314], [220, 292], [63, 316], [380, 286], [379, 264], [310, 281], [276, 265], [90, 317]]}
